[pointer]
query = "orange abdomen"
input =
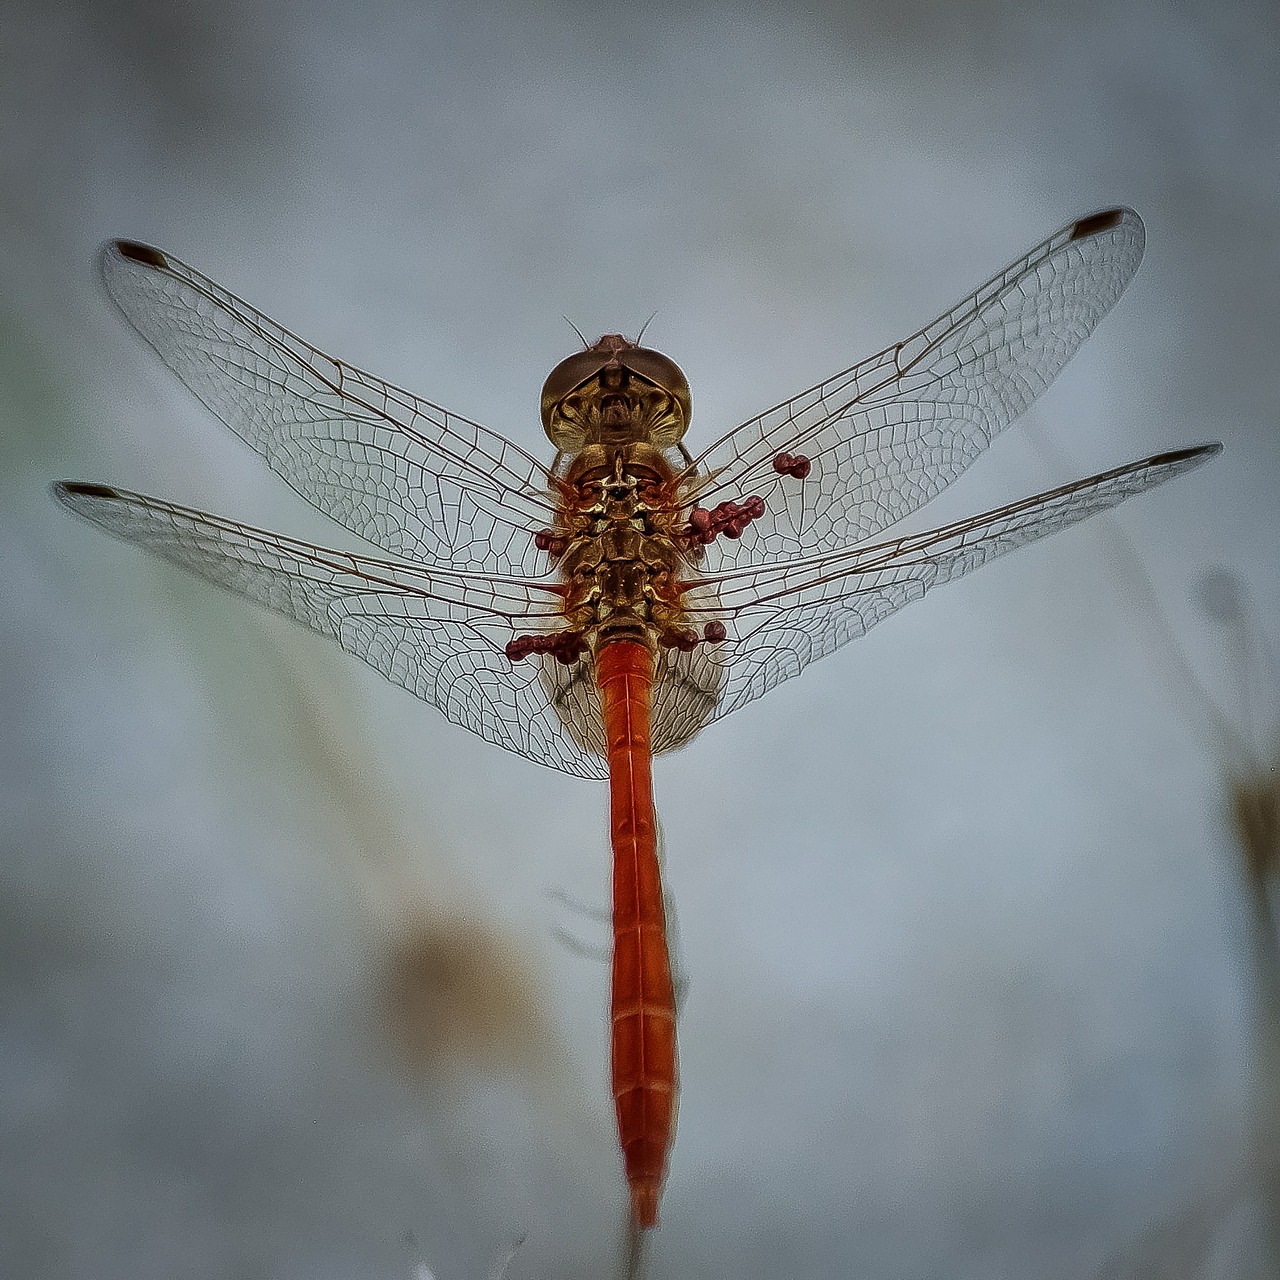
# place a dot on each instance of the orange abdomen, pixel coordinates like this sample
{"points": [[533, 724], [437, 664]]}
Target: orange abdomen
{"points": [[643, 1010]]}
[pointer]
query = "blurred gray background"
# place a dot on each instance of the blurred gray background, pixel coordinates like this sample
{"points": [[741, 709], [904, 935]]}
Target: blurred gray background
{"points": [[970, 958]]}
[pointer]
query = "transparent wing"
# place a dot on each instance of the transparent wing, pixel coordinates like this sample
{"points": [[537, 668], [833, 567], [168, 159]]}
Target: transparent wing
{"points": [[781, 618], [407, 475], [437, 633], [885, 436]]}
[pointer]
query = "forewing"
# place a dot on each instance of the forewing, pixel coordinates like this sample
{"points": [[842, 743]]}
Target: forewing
{"points": [[888, 434], [437, 633], [407, 475], [781, 618]]}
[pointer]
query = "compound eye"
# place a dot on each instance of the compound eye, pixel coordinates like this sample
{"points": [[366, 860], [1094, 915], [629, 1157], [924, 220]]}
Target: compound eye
{"points": [[663, 372], [567, 376], [654, 367]]}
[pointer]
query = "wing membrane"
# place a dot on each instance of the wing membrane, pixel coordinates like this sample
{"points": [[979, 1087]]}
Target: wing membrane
{"points": [[886, 435], [404, 473], [781, 618], [437, 633]]}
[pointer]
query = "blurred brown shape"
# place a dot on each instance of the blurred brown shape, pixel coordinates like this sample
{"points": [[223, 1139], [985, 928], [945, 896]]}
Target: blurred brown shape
{"points": [[1253, 776], [456, 993], [1255, 814], [1253, 797]]}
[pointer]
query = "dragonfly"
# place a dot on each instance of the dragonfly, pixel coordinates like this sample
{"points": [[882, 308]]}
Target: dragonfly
{"points": [[594, 610]]}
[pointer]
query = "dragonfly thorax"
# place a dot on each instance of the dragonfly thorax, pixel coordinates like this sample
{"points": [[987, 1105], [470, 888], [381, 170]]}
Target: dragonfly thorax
{"points": [[618, 548], [615, 392]]}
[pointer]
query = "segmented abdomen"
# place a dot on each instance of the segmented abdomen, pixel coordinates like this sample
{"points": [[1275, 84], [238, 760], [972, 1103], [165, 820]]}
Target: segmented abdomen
{"points": [[643, 1010]]}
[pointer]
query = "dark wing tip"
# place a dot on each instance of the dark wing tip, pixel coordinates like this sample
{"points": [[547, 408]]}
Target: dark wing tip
{"points": [[83, 489], [1095, 223], [1196, 452], [143, 254], [71, 492]]}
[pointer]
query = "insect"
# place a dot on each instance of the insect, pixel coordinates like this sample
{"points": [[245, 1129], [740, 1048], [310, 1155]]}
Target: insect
{"points": [[592, 611]]}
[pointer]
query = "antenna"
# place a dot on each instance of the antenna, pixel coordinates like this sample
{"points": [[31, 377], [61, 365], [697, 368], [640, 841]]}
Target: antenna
{"points": [[586, 346], [643, 327]]}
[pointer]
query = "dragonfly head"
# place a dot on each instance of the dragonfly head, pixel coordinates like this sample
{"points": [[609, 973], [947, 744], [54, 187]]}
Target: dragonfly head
{"points": [[615, 392]]}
